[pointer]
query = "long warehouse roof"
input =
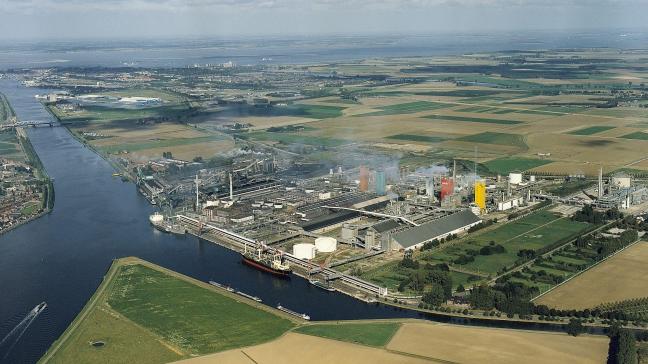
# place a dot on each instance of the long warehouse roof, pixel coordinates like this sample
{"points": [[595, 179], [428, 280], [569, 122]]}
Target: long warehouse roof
{"points": [[433, 229]]}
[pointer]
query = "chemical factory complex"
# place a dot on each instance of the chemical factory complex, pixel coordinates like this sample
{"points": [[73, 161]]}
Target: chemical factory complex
{"points": [[327, 225]]}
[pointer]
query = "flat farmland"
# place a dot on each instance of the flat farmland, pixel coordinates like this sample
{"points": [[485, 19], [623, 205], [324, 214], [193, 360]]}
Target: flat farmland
{"points": [[619, 278], [294, 348], [510, 164], [463, 344], [495, 138], [151, 140], [535, 231]]}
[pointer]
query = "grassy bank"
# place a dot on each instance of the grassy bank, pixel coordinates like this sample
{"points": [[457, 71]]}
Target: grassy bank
{"points": [[146, 314]]}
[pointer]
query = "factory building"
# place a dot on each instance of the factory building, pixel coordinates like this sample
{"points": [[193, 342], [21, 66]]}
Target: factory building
{"points": [[447, 188], [480, 194], [416, 236], [364, 179], [380, 183]]}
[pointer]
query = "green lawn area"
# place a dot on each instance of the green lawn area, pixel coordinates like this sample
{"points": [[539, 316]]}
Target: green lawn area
{"points": [[134, 147], [591, 130], [640, 135], [145, 314], [535, 231], [105, 114], [472, 119], [417, 138], [29, 209], [371, 334], [510, 164], [495, 138], [407, 108]]}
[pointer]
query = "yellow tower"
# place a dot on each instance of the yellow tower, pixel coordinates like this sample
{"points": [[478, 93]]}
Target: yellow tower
{"points": [[480, 194]]}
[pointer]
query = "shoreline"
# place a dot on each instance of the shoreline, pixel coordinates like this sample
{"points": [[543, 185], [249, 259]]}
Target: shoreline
{"points": [[478, 320], [108, 280]]}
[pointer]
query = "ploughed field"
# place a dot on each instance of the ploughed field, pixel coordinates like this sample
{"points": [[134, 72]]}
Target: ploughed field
{"points": [[620, 278]]}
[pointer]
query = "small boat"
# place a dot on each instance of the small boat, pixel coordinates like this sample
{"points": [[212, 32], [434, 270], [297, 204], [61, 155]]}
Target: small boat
{"points": [[38, 309], [321, 285], [248, 296], [289, 311]]}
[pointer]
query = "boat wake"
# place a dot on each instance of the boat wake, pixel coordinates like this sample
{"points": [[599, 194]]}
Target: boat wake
{"points": [[11, 339]]}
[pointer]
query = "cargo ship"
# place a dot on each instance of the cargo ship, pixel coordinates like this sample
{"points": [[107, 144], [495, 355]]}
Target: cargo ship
{"points": [[289, 311], [321, 285], [274, 264], [228, 288]]}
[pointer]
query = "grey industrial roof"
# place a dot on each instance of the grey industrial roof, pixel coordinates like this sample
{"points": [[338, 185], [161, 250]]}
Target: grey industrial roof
{"points": [[433, 229], [386, 225]]}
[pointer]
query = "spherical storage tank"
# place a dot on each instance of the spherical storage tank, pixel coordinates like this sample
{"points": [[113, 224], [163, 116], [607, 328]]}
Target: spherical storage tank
{"points": [[304, 251], [325, 244]]}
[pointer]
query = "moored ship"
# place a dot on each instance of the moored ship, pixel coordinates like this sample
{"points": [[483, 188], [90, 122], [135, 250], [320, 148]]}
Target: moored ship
{"points": [[274, 263]]}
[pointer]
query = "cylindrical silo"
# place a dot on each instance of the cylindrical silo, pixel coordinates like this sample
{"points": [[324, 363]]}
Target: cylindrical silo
{"points": [[304, 251], [325, 244]]}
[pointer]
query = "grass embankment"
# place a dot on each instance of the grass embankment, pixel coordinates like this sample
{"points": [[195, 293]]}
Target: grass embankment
{"points": [[146, 314]]}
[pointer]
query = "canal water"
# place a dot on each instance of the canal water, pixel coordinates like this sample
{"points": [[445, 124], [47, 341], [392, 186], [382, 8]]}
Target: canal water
{"points": [[62, 257]]}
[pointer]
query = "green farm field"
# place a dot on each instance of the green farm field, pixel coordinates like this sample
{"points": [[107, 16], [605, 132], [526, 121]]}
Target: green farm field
{"points": [[473, 119], [591, 130], [407, 108], [495, 138], [371, 334], [510, 164]]}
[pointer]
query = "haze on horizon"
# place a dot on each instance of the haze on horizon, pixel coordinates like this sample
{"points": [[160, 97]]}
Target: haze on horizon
{"points": [[73, 19]]}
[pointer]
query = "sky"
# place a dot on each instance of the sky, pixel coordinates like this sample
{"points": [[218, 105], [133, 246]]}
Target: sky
{"points": [[73, 19]]}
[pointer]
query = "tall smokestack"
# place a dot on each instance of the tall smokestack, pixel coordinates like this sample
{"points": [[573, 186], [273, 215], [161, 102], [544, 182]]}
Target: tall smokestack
{"points": [[454, 171], [600, 183], [231, 188]]}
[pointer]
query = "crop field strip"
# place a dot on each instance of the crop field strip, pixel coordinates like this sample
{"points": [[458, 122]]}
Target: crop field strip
{"points": [[511, 164], [490, 137], [472, 119], [417, 138], [407, 108], [591, 130], [639, 135]]}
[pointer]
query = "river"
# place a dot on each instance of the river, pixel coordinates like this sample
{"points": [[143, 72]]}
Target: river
{"points": [[61, 257]]}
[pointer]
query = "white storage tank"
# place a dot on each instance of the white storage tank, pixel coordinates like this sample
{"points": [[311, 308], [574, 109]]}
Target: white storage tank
{"points": [[304, 251], [515, 178], [326, 244]]}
